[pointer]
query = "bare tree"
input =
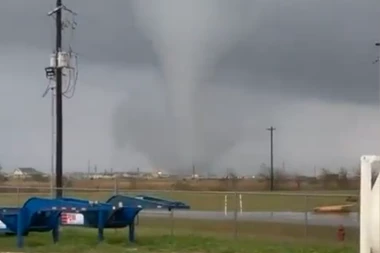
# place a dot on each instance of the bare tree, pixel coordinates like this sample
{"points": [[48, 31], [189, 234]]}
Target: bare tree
{"points": [[232, 179], [3, 178], [343, 181], [279, 175], [264, 173], [327, 177], [298, 180]]}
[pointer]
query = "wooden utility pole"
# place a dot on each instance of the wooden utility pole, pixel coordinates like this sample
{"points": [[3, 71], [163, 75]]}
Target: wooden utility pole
{"points": [[271, 129], [60, 60], [58, 76]]}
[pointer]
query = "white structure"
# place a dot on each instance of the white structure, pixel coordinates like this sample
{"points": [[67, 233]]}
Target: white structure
{"points": [[27, 173], [369, 206]]}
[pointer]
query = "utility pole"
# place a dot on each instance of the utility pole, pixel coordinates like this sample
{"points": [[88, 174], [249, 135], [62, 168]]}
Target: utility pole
{"points": [[53, 131], [60, 60], [59, 146], [88, 168], [271, 129], [377, 44]]}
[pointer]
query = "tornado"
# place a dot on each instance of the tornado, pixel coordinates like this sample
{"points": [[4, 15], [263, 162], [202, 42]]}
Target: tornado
{"points": [[189, 37]]}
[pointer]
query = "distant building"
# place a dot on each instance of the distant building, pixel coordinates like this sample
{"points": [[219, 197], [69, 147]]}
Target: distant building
{"points": [[27, 173], [101, 176]]}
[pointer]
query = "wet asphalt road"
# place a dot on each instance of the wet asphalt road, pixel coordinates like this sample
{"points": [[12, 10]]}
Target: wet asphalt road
{"points": [[347, 220]]}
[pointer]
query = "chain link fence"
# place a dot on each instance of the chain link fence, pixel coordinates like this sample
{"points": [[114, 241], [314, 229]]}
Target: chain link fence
{"points": [[233, 214]]}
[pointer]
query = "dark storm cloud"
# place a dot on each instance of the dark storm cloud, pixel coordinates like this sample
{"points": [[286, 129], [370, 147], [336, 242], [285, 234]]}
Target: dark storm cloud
{"points": [[320, 49], [105, 34]]}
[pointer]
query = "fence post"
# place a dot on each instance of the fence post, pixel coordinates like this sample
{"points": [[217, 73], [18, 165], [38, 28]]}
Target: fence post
{"points": [[241, 203], [51, 187], [18, 196], [225, 204], [236, 216], [306, 211], [171, 222], [116, 186]]}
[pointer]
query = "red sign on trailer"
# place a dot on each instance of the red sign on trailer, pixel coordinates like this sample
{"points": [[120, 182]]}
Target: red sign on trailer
{"points": [[72, 219]]}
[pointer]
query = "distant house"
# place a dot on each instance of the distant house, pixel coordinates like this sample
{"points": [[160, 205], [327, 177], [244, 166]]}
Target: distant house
{"points": [[101, 176], [26, 173]]}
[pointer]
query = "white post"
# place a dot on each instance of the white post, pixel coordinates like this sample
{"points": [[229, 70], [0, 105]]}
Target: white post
{"points": [[225, 204], [369, 207], [365, 190], [241, 203]]}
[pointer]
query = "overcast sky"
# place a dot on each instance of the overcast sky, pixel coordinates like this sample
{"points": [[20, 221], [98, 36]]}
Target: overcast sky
{"points": [[303, 66]]}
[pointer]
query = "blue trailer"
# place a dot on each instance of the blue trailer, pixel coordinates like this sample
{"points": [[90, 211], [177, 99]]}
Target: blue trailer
{"points": [[43, 215], [146, 202]]}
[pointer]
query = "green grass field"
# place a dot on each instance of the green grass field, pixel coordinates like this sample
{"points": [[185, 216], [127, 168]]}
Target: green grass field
{"points": [[79, 240], [280, 201], [162, 234], [248, 229]]}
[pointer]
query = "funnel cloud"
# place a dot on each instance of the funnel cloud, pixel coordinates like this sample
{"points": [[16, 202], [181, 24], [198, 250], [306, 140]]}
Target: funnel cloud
{"points": [[189, 38]]}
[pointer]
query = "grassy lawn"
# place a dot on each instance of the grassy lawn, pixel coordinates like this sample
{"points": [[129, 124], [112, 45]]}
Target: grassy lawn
{"points": [[255, 202], [162, 234], [81, 240], [248, 229], [215, 201]]}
